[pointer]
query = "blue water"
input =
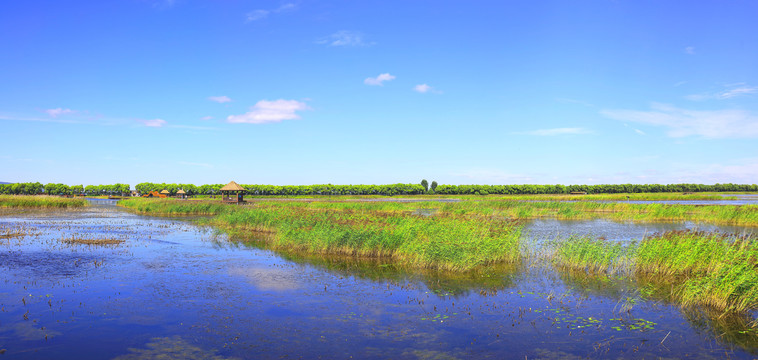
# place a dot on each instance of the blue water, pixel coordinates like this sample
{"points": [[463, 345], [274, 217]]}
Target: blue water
{"points": [[176, 290]]}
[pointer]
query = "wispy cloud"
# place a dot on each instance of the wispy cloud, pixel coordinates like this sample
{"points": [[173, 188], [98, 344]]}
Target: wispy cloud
{"points": [[154, 122], [59, 111], [265, 111], [220, 99], [690, 50], [36, 119], [424, 88], [344, 38], [639, 132], [259, 14], [556, 132], [256, 15], [574, 101], [379, 80], [716, 124], [206, 118], [733, 91]]}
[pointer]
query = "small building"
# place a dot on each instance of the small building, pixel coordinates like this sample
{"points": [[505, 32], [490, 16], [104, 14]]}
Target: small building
{"points": [[182, 194], [165, 193], [232, 193], [154, 194]]}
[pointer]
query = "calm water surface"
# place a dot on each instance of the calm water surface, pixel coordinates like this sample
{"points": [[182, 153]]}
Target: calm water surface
{"points": [[176, 290]]}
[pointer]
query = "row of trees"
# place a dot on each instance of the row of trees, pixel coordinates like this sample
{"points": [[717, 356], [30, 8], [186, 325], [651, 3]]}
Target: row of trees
{"points": [[390, 189], [590, 189], [35, 188], [290, 190]]}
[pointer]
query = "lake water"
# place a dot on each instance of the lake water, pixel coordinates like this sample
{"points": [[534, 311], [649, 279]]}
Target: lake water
{"points": [[178, 291]]}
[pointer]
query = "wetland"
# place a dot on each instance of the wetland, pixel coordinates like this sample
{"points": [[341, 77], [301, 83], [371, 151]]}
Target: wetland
{"points": [[491, 279]]}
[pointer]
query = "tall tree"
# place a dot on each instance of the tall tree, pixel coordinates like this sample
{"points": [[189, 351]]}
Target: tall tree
{"points": [[425, 184]]}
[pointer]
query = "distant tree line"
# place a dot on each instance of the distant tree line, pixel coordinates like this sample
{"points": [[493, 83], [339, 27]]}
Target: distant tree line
{"points": [[36, 188], [291, 190], [390, 189], [589, 189]]}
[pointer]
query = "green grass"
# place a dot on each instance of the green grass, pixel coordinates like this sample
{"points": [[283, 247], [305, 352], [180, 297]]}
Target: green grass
{"points": [[40, 201], [620, 211], [367, 230], [174, 207], [699, 268], [589, 254], [696, 268]]}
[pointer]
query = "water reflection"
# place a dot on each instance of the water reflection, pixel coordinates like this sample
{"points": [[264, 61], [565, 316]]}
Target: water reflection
{"points": [[267, 279], [174, 290], [547, 229]]}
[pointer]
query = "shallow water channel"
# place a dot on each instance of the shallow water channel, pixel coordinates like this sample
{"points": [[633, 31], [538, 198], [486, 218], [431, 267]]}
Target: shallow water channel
{"points": [[176, 290]]}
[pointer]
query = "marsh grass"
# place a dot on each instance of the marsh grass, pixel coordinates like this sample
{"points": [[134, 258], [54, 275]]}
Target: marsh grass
{"points": [[590, 254], [174, 207], [379, 230], [711, 269], [40, 201], [442, 242], [746, 215]]}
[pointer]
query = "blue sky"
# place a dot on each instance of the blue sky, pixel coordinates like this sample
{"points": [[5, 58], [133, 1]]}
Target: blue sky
{"points": [[376, 92]]}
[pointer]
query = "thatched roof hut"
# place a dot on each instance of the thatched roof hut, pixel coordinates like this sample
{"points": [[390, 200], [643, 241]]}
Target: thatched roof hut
{"points": [[165, 192], [180, 192], [232, 186], [229, 191]]}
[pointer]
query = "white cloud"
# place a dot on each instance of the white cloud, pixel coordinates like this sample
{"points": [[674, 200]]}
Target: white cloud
{"points": [[379, 80], [344, 38], [640, 132], [737, 91], [286, 7], [734, 91], [154, 122], [206, 118], [220, 99], [265, 111], [422, 88], [59, 111], [262, 14], [716, 124], [557, 131], [256, 15], [690, 50]]}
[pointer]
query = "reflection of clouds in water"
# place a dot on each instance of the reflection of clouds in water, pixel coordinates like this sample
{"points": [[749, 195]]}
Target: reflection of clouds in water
{"points": [[268, 279]]}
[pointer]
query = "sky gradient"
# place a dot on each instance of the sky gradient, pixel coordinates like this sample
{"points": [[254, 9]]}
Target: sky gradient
{"points": [[378, 92]]}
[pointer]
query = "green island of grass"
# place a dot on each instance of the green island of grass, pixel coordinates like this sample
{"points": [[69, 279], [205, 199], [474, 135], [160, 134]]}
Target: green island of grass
{"points": [[40, 201]]}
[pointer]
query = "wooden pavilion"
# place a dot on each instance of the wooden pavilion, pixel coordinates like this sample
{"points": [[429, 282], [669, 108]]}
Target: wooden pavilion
{"points": [[165, 192], [182, 193], [232, 193]]}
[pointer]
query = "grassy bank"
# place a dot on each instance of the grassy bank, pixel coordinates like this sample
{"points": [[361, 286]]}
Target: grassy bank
{"points": [[693, 268], [715, 214], [40, 201], [382, 230], [698, 268], [174, 207]]}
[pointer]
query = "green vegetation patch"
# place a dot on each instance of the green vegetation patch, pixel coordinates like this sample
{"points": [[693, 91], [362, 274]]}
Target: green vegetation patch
{"points": [[698, 268], [40, 201]]}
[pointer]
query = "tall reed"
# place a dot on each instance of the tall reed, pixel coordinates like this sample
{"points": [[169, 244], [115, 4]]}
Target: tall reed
{"points": [[40, 201]]}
